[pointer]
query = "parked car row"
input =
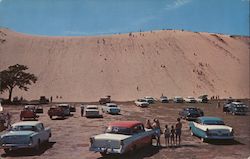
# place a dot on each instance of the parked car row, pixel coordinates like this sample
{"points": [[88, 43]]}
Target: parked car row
{"points": [[147, 100], [91, 111]]}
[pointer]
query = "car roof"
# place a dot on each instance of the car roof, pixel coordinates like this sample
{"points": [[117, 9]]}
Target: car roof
{"points": [[204, 118], [125, 124], [91, 106], [31, 123], [63, 104], [237, 103], [111, 104]]}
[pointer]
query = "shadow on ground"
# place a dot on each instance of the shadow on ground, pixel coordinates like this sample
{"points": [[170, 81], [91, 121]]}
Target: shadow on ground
{"points": [[224, 142], [29, 152]]}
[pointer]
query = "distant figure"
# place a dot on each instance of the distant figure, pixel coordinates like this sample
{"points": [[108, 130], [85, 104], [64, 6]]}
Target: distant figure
{"points": [[51, 99], [166, 135], [148, 124], [172, 134], [178, 128], [8, 120], [218, 104], [82, 110]]}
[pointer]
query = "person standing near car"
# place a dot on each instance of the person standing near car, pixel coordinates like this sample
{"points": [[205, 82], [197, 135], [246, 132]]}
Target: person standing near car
{"points": [[178, 128]]}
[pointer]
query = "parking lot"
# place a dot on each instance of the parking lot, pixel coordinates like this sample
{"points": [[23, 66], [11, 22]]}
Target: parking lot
{"points": [[70, 136]]}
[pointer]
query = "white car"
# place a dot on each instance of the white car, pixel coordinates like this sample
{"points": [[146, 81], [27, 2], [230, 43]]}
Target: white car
{"points": [[111, 108], [190, 99], [164, 99], [26, 134], [178, 99], [66, 108], [149, 99], [92, 111], [141, 103], [211, 128]]}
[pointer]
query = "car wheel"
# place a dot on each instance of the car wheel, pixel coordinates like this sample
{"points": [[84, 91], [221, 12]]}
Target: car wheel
{"points": [[37, 148], [7, 151], [104, 154], [203, 139]]}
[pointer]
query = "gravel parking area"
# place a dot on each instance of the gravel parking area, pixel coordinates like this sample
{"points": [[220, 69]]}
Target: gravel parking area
{"points": [[70, 137]]}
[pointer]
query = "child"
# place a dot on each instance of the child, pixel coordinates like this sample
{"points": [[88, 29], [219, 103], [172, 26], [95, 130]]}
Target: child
{"points": [[166, 135], [172, 135]]}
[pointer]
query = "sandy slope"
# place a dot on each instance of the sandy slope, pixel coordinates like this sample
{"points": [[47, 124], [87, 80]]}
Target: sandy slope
{"points": [[126, 67]]}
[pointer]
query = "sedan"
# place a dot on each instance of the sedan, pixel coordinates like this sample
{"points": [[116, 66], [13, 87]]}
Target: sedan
{"points": [[208, 128]]}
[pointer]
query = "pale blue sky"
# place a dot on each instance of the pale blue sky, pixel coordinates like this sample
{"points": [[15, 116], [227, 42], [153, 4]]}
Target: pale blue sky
{"points": [[95, 17]]}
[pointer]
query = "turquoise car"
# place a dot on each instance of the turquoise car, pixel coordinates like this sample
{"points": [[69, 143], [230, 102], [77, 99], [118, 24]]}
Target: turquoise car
{"points": [[208, 128]]}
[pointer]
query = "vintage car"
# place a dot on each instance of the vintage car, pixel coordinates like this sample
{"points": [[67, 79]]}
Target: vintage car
{"points": [[202, 99], [27, 134], [164, 99], [208, 128], [237, 108], [190, 99], [111, 108], [43, 100], [178, 99], [104, 100], [121, 137], [92, 111], [56, 111], [141, 103], [28, 113], [66, 108], [39, 109], [191, 113], [72, 108], [149, 99]]}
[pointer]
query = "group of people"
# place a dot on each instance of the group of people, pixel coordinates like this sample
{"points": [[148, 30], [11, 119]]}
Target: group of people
{"points": [[172, 135]]}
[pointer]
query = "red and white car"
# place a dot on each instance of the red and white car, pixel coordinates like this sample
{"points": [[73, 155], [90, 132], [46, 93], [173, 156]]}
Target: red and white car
{"points": [[121, 137]]}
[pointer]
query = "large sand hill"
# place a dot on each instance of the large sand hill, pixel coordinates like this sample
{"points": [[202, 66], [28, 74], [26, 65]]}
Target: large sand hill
{"points": [[130, 66]]}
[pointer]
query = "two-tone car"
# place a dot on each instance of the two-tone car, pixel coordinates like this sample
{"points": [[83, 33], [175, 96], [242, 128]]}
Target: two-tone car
{"points": [[191, 113], [237, 108], [26, 134], [141, 103], [208, 128], [92, 111], [111, 108], [121, 137]]}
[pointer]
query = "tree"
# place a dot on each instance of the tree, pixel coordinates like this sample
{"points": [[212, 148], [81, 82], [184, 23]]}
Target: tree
{"points": [[15, 76]]}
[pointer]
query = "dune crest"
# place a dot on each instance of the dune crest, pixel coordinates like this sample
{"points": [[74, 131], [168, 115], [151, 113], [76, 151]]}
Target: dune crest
{"points": [[130, 66]]}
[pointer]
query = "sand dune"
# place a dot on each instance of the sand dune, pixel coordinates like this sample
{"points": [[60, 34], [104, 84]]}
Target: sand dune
{"points": [[130, 66]]}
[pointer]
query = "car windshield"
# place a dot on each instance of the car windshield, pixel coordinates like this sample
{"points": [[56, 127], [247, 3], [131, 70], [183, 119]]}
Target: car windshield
{"points": [[142, 100], [193, 110], [114, 106], [23, 128], [92, 108], [118, 130], [213, 122]]}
